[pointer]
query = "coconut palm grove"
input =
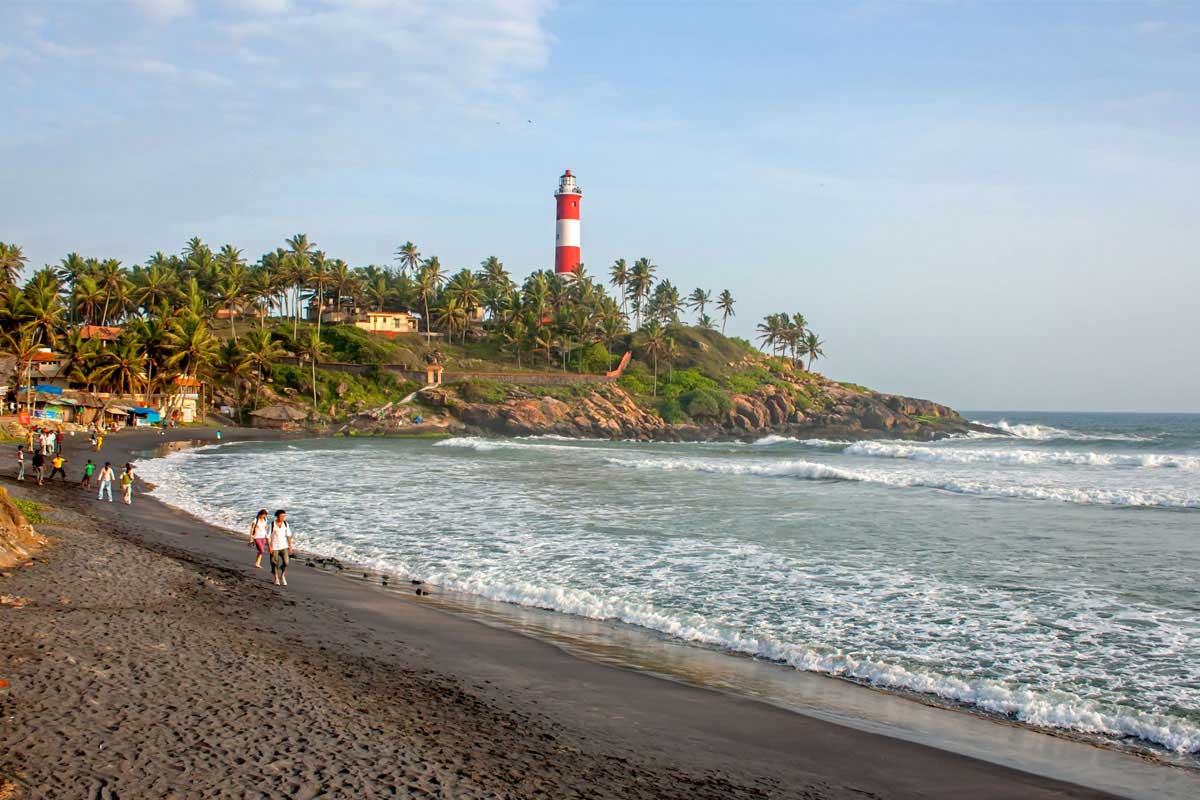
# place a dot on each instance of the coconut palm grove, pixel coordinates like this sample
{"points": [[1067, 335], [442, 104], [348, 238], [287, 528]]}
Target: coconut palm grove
{"points": [[251, 330]]}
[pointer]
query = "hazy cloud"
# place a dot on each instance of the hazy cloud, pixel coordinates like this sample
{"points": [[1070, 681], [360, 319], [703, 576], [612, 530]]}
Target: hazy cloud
{"points": [[164, 10]]}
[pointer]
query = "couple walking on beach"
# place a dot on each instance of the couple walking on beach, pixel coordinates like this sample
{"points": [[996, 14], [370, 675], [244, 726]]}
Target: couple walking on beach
{"points": [[274, 537]]}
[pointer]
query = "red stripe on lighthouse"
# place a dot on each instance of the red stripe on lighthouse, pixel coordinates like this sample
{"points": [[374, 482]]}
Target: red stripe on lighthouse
{"points": [[568, 206], [566, 259]]}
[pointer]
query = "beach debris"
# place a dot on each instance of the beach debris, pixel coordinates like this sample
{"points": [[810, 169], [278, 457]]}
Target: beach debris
{"points": [[416, 582], [13, 600]]}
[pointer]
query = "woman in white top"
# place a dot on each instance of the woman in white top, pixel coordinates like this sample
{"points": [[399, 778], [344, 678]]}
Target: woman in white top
{"points": [[260, 530], [281, 547]]}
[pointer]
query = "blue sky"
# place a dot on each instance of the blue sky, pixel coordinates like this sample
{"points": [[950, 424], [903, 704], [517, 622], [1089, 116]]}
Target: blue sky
{"points": [[992, 204]]}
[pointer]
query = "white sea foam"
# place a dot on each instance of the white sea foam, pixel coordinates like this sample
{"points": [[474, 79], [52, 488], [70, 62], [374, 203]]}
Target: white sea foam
{"points": [[1046, 433], [1055, 709], [810, 470], [883, 619], [944, 455]]}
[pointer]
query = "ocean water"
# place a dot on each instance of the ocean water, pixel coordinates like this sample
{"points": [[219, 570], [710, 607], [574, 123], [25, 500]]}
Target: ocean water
{"points": [[1051, 575]]}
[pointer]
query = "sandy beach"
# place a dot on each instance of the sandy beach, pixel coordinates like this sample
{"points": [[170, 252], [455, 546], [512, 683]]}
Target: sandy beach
{"points": [[152, 660]]}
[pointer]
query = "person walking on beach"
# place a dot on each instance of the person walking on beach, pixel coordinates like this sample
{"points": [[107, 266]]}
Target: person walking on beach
{"points": [[57, 462], [105, 478], [20, 462], [99, 441], [281, 547], [39, 466], [88, 469], [127, 484], [260, 533]]}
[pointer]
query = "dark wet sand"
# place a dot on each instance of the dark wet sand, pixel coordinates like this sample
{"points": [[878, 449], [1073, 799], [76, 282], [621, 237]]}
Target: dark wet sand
{"points": [[154, 661]]}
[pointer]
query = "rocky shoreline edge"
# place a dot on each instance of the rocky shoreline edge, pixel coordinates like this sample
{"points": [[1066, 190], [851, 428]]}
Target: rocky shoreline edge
{"points": [[610, 412]]}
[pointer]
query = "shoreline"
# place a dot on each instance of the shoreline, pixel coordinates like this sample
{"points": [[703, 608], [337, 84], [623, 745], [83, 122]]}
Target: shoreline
{"points": [[736, 732], [629, 645]]}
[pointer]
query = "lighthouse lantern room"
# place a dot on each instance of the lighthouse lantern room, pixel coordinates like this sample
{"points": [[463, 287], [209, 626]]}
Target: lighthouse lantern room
{"points": [[566, 238]]}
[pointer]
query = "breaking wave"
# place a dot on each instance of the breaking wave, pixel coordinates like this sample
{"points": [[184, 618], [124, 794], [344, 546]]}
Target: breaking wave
{"points": [[1020, 457], [1047, 433], [810, 470]]}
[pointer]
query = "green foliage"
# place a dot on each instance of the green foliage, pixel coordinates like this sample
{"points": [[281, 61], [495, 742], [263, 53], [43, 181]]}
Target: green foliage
{"points": [[481, 390], [372, 389], [637, 380], [705, 403], [595, 359], [854, 387], [683, 380], [745, 382], [355, 346], [31, 510], [671, 411]]}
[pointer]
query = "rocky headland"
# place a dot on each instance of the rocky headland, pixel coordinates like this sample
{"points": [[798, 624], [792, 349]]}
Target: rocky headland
{"points": [[814, 408]]}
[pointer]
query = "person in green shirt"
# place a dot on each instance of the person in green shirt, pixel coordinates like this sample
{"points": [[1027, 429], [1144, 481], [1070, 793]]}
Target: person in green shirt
{"points": [[88, 470]]}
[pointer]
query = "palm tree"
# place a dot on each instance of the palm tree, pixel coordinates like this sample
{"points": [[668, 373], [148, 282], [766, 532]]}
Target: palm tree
{"points": [[409, 257], [154, 285], [654, 344], [124, 366], [262, 352], [312, 349], [493, 275], [464, 287], [725, 305], [232, 287], [641, 280], [698, 299], [12, 261], [72, 268], [619, 277], [453, 316], [813, 345], [429, 281], [235, 366], [772, 331], [111, 277], [86, 299], [297, 270], [43, 310], [340, 275], [320, 277], [191, 346]]}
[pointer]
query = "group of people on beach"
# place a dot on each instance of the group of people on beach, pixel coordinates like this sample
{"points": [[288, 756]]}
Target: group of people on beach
{"points": [[46, 446], [272, 537]]}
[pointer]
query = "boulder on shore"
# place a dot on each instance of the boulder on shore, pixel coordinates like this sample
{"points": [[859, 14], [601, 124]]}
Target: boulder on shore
{"points": [[18, 539]]}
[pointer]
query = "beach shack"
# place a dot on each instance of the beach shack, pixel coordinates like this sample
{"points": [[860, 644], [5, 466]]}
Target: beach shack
{"points": [[50, 404], [141, 416]]}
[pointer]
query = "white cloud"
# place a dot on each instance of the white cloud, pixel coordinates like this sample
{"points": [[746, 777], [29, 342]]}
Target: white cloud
{"points": [[164, 10], [479, 45], [258, 6]]}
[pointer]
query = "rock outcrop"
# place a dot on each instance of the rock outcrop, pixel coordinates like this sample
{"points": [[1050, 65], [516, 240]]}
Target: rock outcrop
{"points": [[18, 539], [808, 405]]}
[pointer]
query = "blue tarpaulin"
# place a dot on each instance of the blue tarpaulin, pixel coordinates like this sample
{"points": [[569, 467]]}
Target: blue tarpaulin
{"points": [[48, 389], [149, 413]]}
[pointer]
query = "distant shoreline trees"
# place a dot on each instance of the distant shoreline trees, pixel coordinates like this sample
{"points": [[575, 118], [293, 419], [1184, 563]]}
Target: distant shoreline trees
{"points": [[193, 314]]}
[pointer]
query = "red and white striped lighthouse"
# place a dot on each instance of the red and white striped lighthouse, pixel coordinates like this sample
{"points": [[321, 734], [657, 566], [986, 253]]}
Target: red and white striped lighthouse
{"points": [[566, 237]]}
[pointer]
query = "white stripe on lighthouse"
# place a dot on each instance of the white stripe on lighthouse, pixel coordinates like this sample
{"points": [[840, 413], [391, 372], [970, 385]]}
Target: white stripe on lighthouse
{"points": [[568, 233]]}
